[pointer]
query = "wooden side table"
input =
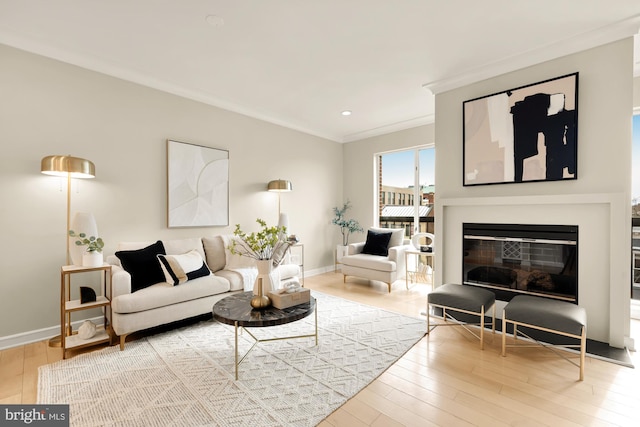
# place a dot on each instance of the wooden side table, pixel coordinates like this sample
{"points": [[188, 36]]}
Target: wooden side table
{"points": [[68, 306]]}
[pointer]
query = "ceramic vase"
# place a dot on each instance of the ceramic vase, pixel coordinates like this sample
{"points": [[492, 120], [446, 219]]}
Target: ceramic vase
{"points": [[341, 251], [264, 274], [83, 222], [92, 259]]}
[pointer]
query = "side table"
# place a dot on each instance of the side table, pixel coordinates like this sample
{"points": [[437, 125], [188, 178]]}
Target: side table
{"points": [[414, 270], [298, 259], [68, 306]]}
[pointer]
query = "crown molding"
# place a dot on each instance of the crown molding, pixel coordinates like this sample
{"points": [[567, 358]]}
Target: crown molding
{"points": [[393, 127], [92, 63], [611, 33]]}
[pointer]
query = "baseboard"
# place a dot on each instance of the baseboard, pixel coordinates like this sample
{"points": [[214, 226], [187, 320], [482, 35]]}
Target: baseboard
{"points": [[29, 337]]}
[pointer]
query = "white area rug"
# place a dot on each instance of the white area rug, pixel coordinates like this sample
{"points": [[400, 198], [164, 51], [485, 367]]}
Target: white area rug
{"points": [[185, 377]]}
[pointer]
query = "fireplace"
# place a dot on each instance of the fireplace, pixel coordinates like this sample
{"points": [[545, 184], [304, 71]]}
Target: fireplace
{"points": [[514, 259]]}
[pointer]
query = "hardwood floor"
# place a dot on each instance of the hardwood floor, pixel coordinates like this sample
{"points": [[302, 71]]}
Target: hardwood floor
{"points": [[444, 380]]}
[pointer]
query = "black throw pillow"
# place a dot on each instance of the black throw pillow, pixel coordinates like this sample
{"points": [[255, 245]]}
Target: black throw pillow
{"points": [[143, 265], [377, 243]]}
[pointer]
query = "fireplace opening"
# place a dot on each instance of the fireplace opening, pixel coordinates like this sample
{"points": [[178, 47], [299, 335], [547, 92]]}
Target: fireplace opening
{"points": [[513, 259]]}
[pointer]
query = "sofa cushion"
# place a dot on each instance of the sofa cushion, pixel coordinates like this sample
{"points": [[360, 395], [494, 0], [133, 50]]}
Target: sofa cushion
{"points": [[163, 294], [370, 262], [142, 265], [179, 269], [236, 261], [181, 246], [215, 252], [377, 243]]}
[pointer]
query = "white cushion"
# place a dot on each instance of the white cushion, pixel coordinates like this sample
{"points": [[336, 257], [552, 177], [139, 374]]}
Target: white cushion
{"points": [[163, 294], [371, 262], [181, 246], [235, 261]]}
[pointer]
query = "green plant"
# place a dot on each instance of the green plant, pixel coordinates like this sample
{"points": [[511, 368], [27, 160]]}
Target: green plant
{"points": [[93, 243], [268, 243], [347, 226]]}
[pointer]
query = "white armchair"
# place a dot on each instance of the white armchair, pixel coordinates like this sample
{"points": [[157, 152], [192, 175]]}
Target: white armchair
{"points": [[375, 260]]}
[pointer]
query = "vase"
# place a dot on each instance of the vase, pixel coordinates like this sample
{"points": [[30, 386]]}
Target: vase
{"points": [[260, 300], [264, 274], [92, 259], [341, 251], [83, 222]]}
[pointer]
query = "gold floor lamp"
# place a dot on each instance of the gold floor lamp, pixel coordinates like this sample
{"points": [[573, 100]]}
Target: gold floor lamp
{"points": [[280, 186], [69, 167]]}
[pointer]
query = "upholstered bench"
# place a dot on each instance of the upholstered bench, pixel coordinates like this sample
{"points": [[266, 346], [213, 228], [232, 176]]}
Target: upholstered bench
{"points": [[469, 300], [544, 314]]}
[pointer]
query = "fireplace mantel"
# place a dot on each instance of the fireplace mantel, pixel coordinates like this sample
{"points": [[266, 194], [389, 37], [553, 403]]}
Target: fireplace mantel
{"points": [[606, 258]]}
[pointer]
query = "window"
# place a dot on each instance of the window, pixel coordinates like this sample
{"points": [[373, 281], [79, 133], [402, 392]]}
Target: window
{"points": [[407, 180]]}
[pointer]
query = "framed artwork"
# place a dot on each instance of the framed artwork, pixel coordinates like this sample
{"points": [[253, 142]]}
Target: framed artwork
{"points": [[525, 134], [197, 185]]}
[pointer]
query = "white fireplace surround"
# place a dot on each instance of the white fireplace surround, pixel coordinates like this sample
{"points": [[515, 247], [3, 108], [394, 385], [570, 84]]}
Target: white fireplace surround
{"points": [[603, 248]]}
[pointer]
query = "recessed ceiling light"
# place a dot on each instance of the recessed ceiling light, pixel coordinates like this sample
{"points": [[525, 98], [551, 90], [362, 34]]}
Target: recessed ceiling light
{"points": [[346, 113], [214, 20]]}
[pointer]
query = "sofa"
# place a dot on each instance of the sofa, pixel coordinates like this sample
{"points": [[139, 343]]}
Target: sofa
{"points": [[156, 283], [381, 257]]}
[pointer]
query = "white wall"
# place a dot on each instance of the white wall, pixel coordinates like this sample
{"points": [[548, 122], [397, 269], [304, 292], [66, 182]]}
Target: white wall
{"points": [[598, 201], [48, 107]]}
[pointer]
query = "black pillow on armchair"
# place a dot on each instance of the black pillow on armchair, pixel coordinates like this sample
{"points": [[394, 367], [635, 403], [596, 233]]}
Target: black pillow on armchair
{"points": [[377, 243]]}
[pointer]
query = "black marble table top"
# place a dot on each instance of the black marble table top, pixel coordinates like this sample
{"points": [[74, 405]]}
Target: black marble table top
{"points": [[237, 308]]}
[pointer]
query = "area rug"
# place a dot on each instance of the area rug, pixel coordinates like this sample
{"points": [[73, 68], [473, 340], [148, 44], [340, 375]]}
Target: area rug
{"points": [[186, 377]]}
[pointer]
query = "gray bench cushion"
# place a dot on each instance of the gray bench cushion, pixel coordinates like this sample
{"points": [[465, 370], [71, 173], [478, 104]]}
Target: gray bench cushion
{"points": [[463, 297], [547, 313]]}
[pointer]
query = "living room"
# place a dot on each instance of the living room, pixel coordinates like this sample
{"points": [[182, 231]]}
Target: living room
{"points": [[52, 107]]}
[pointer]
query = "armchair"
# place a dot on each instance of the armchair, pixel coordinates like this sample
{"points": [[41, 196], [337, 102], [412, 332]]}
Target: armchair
{"points": [[380, 258]]}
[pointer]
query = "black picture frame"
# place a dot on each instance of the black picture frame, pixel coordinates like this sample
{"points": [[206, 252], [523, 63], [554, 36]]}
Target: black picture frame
{"points": [[525, 134]]}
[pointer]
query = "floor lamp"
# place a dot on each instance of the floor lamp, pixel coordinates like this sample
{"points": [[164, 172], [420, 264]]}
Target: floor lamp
{"points": [[69, 167], [280, 186]]}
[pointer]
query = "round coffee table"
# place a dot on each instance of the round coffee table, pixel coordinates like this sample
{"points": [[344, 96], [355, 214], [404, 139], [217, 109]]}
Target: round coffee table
{"points": [[236, 310]]}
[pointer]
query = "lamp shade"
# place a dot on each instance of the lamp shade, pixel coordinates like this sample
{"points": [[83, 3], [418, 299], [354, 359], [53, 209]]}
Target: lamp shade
{"points": [[75, 167], [279, 185]]}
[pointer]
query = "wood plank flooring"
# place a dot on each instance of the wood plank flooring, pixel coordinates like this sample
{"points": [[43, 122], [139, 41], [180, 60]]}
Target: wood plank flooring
{"points": [[444, 380]]}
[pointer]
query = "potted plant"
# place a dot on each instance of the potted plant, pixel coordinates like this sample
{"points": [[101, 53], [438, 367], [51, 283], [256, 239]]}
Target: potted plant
{"points": [[268, 247], [347, 226], [93, 255]]}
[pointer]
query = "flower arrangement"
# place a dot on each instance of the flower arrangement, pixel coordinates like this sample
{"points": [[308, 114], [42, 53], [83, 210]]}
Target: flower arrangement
{"points": [[94, 244], [268, 243], [347, 226]]}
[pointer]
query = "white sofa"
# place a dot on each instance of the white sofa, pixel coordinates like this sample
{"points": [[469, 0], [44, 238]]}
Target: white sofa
{"points": [[386, 265], [161, 303]]}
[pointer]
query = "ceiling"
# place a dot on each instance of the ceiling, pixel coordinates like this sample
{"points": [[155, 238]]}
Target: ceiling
{"points": [[300, 63]]}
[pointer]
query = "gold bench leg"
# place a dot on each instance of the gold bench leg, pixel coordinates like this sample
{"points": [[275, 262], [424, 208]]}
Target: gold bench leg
{"points": [[122, 340], [504, 334], [583, 350], [482, 328]]}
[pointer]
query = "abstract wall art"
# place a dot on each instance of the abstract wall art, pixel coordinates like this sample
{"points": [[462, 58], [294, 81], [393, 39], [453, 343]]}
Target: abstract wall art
{"points": [[525, 134], [197, 185]]}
